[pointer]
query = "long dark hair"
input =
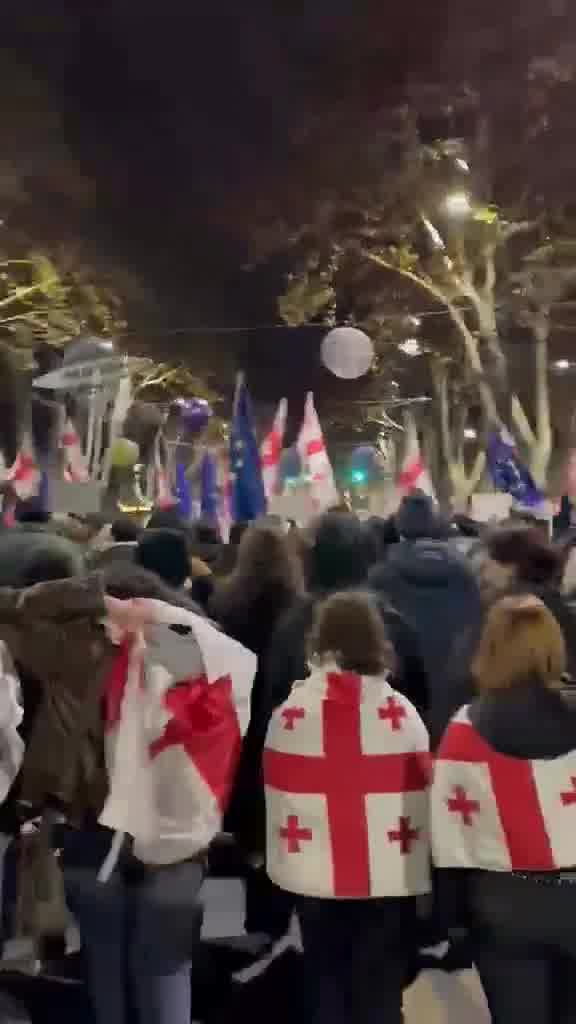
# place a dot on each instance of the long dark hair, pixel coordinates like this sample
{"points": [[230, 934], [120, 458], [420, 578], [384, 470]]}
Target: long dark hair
{"points": [[266, 566]]}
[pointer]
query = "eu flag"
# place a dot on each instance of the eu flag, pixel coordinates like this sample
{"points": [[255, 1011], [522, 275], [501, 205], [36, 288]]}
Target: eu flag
{"points": [[209, 488], [248, 500], [182, 488], [508, 473]]}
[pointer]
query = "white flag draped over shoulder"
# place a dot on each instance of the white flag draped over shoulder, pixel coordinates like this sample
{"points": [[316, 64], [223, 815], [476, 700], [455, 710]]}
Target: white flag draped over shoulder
{"points": [[271, 450], [315, 461], [493, 812], [347, 770], [177, 703]]}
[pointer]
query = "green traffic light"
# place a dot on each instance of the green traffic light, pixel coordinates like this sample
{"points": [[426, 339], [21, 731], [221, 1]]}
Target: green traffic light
{"points": [[358, 476]]}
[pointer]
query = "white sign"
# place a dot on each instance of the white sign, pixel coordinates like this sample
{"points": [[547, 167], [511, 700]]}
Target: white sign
{"points": [[298, 507], [75, 498], [491, 508]]}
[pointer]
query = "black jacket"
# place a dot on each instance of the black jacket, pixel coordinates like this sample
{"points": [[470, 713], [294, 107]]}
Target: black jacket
{"points": [[253, 625], [437, 595]]}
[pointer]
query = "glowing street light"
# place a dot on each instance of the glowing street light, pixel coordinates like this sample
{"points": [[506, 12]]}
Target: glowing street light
{"points": [[470, 433], [413, 321], [410, 347], [562, 365], [457, 204]]}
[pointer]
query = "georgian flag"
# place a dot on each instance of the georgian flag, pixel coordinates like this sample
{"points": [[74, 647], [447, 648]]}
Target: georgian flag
{"points": [[177, 702], [314, 458], [413, 474], [271, 450], [24, 474], [346, 771], [164, 497], [497, 813], [75, 467]]}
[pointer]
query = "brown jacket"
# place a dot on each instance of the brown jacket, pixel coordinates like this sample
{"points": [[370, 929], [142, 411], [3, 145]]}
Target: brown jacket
{"points": [[54, 635]]}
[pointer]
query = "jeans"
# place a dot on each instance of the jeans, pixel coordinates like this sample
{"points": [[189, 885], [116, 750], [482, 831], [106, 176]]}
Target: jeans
{"points": [[138, 931], [356, 955], [524, 937]]}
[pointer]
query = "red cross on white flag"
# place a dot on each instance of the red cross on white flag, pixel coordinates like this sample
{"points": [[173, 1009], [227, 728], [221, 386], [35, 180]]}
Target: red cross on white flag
{"points": [[75, 468], [346, 796], [413, 474], [314, 457], [271, 450], [24, 474], [493, 812]]}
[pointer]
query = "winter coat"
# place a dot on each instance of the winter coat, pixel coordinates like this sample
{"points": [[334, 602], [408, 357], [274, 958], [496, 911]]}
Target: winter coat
{"points": [[62, 655], [436, 593]]}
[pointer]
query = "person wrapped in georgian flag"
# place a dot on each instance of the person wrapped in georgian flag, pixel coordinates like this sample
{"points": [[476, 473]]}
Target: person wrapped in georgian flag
{"points": [[503, 815], [177, 704], [135, 742], [346, 774]]}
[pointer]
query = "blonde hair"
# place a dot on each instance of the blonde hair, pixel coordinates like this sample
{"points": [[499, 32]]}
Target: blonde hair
{"points": [[521, 642]]}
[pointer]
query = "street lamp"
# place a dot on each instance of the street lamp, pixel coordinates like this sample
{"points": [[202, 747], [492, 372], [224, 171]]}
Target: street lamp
{"points": [[470, 434], [457, 204], [410, 347], [562, 365]]}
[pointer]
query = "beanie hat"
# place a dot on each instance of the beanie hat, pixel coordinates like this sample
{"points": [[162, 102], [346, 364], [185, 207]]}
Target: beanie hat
{"points": [[164, 552], [416, 517]]}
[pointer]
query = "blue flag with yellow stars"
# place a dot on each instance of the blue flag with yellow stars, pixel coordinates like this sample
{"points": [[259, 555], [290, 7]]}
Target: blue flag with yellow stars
{"points": [[508, 473], [182, 488], [247, 497], [209, 488]]}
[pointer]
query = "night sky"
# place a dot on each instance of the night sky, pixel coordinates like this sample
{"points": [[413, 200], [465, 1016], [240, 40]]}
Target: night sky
{"points": [[189, 115]]}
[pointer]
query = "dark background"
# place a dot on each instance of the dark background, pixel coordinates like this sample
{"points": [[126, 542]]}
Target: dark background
{"points": [[190, 117]]}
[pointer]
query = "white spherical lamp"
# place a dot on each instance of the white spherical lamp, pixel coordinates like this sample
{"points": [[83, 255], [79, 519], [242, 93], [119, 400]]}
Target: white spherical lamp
{"points": [[347, 352]]}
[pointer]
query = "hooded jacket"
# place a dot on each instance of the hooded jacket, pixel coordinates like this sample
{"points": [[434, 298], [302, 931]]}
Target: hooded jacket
{"points": [[435, 592], [62, 654]]}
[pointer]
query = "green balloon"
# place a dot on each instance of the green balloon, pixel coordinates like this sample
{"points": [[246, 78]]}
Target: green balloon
{"points": [[124, 453]]}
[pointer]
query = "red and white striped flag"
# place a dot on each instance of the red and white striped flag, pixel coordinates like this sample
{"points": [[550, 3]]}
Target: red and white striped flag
{"points": [[413, 474], [75, 468], [314, 457], [24, 474], [271, 450]]}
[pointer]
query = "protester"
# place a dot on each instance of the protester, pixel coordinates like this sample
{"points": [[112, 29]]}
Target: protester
{"points": [[434, 590], [265, 584], [201, 582], [229, 552], [205, 543], [165, 552], [140, 926], [355, 862], [19, 548], [502, 806], [521, 560], [120, 546], [339, 556]]}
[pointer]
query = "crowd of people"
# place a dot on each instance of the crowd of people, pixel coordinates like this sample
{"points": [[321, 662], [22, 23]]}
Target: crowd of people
{"points": [[406, 773]]}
